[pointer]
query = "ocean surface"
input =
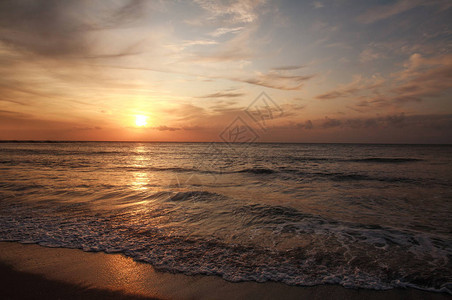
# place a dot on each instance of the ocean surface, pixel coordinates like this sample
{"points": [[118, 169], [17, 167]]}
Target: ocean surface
{"points": [[367, 216]]}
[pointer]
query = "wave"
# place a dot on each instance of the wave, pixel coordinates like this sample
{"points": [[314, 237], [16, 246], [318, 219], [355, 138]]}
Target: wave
{"points": [[257, 171], [385, 160], [196, 196], [362, 177], [340, 176], [158, 169], [351, 254], [71, 152], [273, 212]]}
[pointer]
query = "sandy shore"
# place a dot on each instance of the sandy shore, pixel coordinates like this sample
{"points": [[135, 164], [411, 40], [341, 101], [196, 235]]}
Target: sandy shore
{"points": [[32, 271]]}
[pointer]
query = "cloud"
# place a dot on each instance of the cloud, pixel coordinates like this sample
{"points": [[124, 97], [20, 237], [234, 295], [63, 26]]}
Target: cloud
{"points": [[13, 114], [53, 28], [323, 27], [186, 112], [225, 30], [220, 56], [223, 95], [19, 93], [271, 79], [198, 42], [238, 48], [368, 55], [371, 102], [331, 123], [396, 120], [306, 125], [288, 68], [382, 12], [438, 122], [417, 65], [166, 128], [279, 81], [423, 77], [43, 27], [129, 12], [325, 34], [429, 84], [358, 84], [317, 4], [285, 110], [232, 11], [441, 122]]}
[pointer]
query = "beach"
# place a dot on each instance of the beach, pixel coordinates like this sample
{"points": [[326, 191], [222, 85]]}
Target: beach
{"points": [[33, 271]]}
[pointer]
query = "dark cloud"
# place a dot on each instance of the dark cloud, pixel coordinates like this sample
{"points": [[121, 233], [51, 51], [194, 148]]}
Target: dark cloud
{"points": [[394, 8], [187, 128], [395, 121], [43, 27], [336, 94], [278, 81], [361, 123], [431, 83], [287, 68], [306, 125], [436, 122], [356, 86], [166, 128], [331, 123], [56, 28], [129, 12], [12, 114], [420, 79], [223, 95], [226, 107]]}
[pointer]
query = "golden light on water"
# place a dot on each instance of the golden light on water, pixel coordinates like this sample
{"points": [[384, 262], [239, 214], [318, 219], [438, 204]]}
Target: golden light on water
{"points": [[140, 179], [141, 120]]}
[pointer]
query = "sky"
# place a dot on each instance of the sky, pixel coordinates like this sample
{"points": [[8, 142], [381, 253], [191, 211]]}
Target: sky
{"points": [[234, 71]]}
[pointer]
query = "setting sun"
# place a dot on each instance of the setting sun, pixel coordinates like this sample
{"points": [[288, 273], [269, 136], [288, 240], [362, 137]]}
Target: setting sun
{"points": [[141, 120]]}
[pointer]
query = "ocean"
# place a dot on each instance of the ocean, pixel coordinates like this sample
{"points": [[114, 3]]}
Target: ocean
{"points": [[362, 216]]}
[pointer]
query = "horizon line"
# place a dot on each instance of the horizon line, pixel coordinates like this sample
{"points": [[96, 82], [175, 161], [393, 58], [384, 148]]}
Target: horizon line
{"points": [[216, 142]]}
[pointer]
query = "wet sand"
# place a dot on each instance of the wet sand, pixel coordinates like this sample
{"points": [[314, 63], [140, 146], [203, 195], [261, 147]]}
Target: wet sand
{"points": [[32, 271]]}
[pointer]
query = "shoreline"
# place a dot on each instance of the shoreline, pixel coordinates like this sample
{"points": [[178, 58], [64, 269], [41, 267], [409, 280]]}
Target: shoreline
{"points": [[13, 287], [73, 273]]}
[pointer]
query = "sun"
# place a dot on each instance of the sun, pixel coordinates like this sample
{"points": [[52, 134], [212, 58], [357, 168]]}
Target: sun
{"points": [[141, 120]]}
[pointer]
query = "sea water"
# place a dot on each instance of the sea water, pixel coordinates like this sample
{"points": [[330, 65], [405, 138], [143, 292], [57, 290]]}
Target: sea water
{"points": [[367, 216]]}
